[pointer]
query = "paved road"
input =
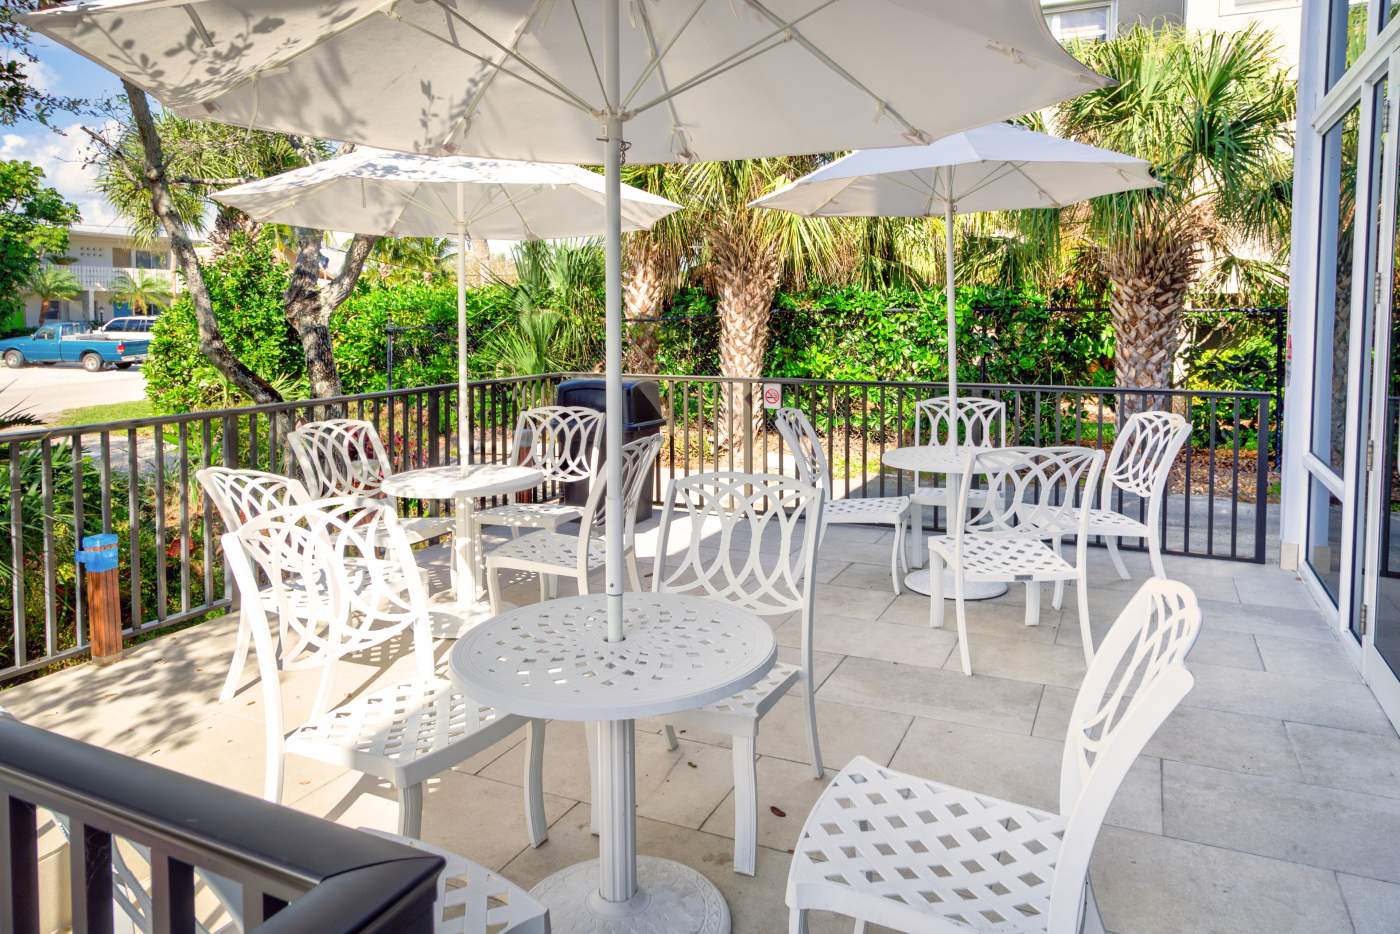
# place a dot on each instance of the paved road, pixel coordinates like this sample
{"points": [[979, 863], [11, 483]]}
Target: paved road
{"points": [[48, 390]]}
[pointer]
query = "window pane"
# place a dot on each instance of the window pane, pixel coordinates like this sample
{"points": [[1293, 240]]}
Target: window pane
{"points": [[1346, 36], [1325, 536], [1338, 211], [1080, 23]]}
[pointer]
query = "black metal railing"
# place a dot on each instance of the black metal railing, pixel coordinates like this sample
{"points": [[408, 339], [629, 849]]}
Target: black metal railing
{"points": [[277, 870], [136, 477]]}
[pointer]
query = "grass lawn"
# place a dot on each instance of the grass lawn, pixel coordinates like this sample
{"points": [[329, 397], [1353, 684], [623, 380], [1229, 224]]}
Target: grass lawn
{"points": [[112, 412]]}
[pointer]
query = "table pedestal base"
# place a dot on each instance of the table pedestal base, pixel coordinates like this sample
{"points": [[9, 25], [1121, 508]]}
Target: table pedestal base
{"points": [[670, 897], [922, 582]]}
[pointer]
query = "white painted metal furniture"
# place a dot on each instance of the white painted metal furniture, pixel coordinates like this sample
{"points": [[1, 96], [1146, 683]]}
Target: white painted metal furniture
{"points": [[345, 457], [765, 529], [552, 554], [978, 422], [472, 899], [240, 495], [463, 484], [343, 574], [553, 659], [561, 442], [806, 447], [1010, 536], [1139, 465], [916, 855], [948, 460]]}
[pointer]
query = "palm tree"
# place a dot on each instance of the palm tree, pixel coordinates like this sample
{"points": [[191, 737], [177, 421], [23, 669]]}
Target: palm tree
{"points": [[142, 290], [52, 284], [558, 294], [746, 254], [402, 259], [654, 263], [1213, 113]]}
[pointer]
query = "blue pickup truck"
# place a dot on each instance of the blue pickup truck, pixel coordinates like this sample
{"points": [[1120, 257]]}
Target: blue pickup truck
{"points": [[69, 342]]}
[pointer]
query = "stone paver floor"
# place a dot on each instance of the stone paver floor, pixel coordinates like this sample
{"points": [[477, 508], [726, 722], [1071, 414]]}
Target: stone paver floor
{"points": [[1269, 802]]}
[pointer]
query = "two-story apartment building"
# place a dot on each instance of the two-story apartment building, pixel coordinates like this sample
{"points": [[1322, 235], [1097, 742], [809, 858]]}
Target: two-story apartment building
{"points": [[97, 256]]}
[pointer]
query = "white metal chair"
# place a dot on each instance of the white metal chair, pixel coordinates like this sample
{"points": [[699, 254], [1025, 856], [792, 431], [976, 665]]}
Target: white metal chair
{"points": [[1008, 537], [345, 457], [472, 899], [917, 855], [804, 443], [563, 443], [1139, 465], [979, 421], [344, 579], [552, 555], [743, 508], [240, 495]]}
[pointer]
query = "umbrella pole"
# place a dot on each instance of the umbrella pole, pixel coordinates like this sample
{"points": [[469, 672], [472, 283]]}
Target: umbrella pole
{"points": [[463, 442], [950, 296]]}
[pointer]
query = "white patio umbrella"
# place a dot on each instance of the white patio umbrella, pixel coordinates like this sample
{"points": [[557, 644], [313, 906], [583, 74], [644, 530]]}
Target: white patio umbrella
{"points": [[394, 194], [544, 80], [998, 167]]}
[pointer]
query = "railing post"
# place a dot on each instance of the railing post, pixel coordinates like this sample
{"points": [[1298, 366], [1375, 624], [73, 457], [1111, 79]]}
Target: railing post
{"points": [[748, 429], [1261, 482], [99, 556]]}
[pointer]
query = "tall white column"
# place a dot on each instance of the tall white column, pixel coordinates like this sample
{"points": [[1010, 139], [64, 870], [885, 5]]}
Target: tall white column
{"points": [[949, 219], [463, 442], [612, 165]]}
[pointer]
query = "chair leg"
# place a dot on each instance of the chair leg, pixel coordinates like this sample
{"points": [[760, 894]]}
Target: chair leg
{"points": [[814, 746], [960, 605], [1112, 542], [745, 805], [1058, 600], [240, 655], [797, 921], [937, 603], [634, 577], [493, 588], [1154, 551], [535, 822], [895, 550], [544, 586], [411, 811], [590, 733], [672, 744], [1085, 633], [274, 768], [916, 528], [1032, 603], [1093, 919]]}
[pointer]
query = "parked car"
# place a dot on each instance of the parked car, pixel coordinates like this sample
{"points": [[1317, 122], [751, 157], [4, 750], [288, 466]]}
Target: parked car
{"points": [[68, 342], [132, 327]]}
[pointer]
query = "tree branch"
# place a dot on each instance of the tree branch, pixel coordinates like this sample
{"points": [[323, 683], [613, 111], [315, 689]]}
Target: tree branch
{"points": [[153, 179], [335, 292]]}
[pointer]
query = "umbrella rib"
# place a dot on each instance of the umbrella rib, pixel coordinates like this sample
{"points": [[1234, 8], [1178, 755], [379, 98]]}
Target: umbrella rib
{"points": [[588, 47], [1053, 202], [497, 68], [512, 53], [656, 57], [884, 106], [743, 55]]}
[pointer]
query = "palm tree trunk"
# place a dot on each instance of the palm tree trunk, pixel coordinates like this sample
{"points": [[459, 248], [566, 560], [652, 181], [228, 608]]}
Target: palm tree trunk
{"points": [[1150, 275], [746, 274], [647, 286]]}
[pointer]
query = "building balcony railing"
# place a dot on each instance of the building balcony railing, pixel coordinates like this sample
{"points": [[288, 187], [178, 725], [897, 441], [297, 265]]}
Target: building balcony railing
{"points": [[136, 477], [94, 278]]}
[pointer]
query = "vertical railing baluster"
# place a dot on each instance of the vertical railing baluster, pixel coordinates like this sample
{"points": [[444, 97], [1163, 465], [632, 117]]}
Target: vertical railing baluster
{"points": [[162, 582], [17, 557], [1210, 477], [50, 571], [19, 876], [90, 878], [1190, 458], [1235, 483], [184, 448], [172, 894], [134, 524], [1261, 483], [206, 521], [79, 608], [106, 448]]}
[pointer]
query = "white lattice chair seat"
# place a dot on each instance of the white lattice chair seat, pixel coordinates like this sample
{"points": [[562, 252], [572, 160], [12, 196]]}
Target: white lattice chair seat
{"points": [[1011, 558], [551, 548], [404, 733], [529, 515], [917, 855], [472, 899], [739, 713], [1106, 522], [426, 528], [874, 509]]}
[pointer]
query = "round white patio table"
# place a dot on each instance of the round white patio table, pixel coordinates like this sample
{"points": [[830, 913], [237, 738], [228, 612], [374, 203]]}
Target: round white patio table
{"points": [[463, 484], [553, 660], [946, 459]]}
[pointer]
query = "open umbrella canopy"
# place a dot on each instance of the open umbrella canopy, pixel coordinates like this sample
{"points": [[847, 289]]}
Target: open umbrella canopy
{"points": [[998, 167], [371, 191], [526, 79]]}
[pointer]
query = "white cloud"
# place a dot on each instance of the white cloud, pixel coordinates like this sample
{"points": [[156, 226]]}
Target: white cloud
{"points": [[64, 158], [37, 74]]}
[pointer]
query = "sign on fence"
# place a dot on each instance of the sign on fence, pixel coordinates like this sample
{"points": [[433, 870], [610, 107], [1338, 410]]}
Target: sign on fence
{"points": [[772, 395]]}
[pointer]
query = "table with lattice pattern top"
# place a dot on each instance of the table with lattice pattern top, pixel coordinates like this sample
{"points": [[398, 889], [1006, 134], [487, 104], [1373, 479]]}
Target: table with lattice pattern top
{"points": [[553, 660], [463, 484], [947, 459]]}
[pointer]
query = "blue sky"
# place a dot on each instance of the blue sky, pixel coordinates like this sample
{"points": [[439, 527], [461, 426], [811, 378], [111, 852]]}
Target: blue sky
{"points": [[62, 154]]}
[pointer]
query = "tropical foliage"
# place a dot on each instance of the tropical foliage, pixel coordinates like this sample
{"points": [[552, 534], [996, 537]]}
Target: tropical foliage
{"points": [[52, 284], [143, 291], [34, 223]]}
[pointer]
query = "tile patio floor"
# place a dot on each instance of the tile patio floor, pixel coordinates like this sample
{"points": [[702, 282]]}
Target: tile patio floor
{"points": [[1270, 802]]}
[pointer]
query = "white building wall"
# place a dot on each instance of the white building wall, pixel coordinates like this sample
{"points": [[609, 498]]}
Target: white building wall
{"points": [[1283, 17]]}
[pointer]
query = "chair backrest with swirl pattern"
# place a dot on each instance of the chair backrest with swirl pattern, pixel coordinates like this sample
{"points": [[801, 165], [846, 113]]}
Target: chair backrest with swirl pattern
{"points": [[561, 441], [340, 457]]}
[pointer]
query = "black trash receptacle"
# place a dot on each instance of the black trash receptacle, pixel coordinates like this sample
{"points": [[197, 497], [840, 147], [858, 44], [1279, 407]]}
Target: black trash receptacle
{"points": [[641, 416]]}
